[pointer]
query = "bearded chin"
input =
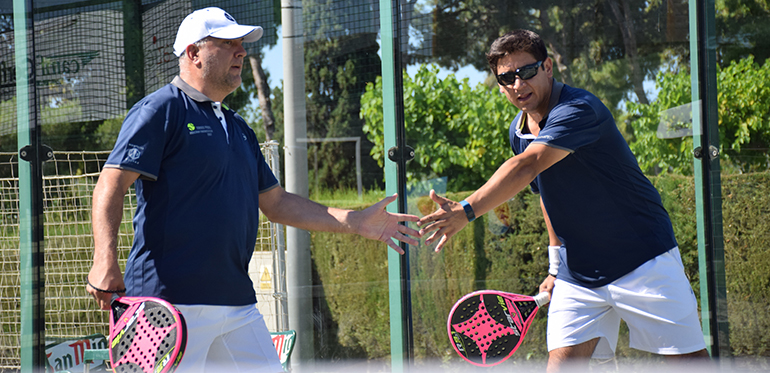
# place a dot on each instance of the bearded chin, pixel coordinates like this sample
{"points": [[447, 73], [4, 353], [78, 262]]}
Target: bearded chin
{"points": [[224, 82]]}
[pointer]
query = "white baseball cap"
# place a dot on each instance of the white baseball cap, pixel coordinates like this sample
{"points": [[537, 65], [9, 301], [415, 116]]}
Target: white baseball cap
{"points": [[213, 22]]}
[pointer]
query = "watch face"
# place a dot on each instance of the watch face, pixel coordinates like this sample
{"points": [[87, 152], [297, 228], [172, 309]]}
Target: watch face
{"points": [[468, 211]]}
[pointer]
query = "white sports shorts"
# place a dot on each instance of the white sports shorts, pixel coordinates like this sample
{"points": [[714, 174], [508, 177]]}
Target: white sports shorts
{"points": [[227, 339], [655, 300]]}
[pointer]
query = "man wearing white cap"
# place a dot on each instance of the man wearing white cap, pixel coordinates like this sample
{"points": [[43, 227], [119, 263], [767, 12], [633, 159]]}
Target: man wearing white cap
{"points": [[200, 180]]}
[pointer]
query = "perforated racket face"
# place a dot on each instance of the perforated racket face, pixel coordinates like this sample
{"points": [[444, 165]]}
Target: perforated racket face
{"points": [[146, 338], [487, 327]]}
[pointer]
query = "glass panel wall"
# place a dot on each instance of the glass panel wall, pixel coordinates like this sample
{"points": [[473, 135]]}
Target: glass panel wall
{"points": [[94, 60], [634, 56], [742, 53]]}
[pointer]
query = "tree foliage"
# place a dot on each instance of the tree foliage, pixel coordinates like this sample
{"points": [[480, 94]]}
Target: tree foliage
{"points": [[336, 73], [742, 29], [340, 59], [655, 154], [462, 132], [744, 122], [608, 47], [455, 130]]}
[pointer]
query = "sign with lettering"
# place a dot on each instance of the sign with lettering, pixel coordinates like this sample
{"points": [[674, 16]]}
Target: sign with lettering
{"points": [[67, 354], [284, 344], [79, 65], [50, 69]]}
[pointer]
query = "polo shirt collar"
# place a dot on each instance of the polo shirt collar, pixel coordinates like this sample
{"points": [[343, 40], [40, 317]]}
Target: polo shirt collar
{"points": [[189, 90], [553, 100]]}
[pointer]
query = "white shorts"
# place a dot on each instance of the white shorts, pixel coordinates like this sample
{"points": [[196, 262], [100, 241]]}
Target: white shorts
{"points": [[227, 339], [655, 300]]}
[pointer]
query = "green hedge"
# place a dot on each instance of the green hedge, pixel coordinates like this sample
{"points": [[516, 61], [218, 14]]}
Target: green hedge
{"points": [[351, 290]]}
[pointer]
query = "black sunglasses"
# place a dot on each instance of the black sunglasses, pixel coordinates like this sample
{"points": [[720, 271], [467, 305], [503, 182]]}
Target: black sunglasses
{"points": [[525, 73]]}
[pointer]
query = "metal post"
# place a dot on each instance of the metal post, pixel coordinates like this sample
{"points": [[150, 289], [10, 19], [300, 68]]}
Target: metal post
{"points": [[31, 244], [707, 177], [299, 282], [401, 340], [279, 257]]}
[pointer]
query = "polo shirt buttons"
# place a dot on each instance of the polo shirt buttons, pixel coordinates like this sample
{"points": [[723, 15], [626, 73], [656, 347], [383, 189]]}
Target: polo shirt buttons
{"points": [[220, 116]]}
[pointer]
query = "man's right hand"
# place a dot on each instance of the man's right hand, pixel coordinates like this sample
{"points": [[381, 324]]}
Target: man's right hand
{"points": [[449, 219], [104, 281], [547, 285]]}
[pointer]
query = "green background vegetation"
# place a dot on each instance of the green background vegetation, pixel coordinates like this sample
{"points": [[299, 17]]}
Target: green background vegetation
{"points": [[454, 127], [351, 291], [461, 131]]}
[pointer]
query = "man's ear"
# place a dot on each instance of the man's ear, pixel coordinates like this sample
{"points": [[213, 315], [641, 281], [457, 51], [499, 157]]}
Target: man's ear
{"points": [[191, 52], [548, 66]]}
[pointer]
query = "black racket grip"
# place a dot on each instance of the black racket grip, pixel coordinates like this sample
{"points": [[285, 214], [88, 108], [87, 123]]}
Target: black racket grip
{"points": [[118, 308]]}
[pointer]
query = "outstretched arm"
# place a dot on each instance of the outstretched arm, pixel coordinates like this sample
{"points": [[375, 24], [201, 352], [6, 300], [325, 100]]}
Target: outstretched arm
{"points": [[513, 176], [374, 222]]}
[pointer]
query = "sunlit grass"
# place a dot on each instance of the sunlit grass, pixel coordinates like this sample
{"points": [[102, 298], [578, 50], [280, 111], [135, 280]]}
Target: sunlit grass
{"points": [[347, 198]]}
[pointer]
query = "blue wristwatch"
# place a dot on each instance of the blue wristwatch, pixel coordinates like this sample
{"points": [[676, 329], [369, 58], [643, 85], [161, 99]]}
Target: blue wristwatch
{"points": [[468, 210]]}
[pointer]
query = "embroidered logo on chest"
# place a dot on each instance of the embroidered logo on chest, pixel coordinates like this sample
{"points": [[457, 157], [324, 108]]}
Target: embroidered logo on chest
{"points": [[199, 130]]}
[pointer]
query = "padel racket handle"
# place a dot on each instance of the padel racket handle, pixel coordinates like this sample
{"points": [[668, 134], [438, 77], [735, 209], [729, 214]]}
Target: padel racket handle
{"points": [[542, 299]]}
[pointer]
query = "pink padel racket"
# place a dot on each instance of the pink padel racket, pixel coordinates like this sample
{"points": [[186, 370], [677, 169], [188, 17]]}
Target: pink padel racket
{"points": [[487, 326], [146, 335]]}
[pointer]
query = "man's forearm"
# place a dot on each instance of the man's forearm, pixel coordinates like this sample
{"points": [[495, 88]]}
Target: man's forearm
{"points": [[306, 214], [106, 216]]}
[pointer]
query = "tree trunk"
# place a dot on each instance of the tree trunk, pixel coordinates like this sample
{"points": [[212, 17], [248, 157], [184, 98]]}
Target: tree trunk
{"points": [[626, 24], [263, 93], [562, 56]]}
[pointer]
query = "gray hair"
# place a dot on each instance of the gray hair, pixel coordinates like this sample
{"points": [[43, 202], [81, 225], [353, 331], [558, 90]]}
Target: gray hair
{"points": [[199, 44]]}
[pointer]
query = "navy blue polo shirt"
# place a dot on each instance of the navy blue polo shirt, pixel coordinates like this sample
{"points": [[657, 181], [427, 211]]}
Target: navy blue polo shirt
{"points": [[197, 214], [604, 210]]}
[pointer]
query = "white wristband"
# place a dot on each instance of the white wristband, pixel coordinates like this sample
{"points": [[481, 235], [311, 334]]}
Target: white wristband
{"points": [[553, 260]]}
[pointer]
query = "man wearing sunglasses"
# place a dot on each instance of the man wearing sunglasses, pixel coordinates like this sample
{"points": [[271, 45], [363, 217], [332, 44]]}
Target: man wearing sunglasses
{"points": [[619, 258]]}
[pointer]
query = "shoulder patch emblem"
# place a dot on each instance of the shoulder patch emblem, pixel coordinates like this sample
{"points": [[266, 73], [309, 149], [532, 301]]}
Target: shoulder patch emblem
{"points": [[133, 153]]}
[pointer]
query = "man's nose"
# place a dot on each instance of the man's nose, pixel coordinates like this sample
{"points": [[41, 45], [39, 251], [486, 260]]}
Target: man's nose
{"points": [[518, 83]]}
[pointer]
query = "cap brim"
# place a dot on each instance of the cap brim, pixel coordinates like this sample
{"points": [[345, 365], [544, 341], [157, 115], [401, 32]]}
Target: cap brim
{"points": [[249, 34]]}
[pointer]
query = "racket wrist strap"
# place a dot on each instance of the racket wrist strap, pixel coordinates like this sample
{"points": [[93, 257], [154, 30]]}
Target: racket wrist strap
{"points": [[104, 291], [468, 210], [553, 260]]}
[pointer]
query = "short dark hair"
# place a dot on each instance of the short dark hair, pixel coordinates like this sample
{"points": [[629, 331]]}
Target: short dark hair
{"points": [[513, 42]]}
